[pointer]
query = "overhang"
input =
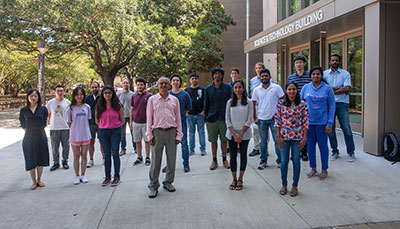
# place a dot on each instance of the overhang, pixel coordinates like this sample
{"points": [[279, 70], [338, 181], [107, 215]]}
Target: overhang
{"points": [[326, 16]]}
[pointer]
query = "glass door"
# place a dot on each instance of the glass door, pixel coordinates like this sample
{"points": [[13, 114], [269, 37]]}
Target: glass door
{"points": [[355, 68]]}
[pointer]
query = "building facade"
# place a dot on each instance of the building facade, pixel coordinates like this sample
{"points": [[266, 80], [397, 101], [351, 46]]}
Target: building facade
{"points": [[363, 32]]}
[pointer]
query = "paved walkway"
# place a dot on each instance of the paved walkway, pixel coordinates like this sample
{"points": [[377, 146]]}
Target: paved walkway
{"points": [[362, 192]]}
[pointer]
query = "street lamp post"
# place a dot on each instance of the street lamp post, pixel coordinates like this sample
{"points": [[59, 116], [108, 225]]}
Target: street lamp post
{"points": [[42, 46]]}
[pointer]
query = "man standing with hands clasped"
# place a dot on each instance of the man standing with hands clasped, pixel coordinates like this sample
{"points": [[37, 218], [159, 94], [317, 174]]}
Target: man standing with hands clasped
{"points": [[164, 129], [340, 81]]}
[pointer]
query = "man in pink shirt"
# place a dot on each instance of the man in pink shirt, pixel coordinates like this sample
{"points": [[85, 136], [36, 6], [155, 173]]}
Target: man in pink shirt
{"points": [[164, 128]]}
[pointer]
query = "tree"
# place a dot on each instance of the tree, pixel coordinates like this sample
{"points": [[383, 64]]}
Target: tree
{"points": [[142, 34]]}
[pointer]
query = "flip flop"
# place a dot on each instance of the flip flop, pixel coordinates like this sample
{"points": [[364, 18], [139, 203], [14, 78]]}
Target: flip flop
{"points": [[40, 184], [233, 185], [33, 187], [293, 192], [283, 191], [239, 186], [323, 175], [312, 173]]}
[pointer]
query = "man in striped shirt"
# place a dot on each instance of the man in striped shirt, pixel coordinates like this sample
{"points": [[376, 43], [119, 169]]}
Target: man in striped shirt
{"points": [[301, 78]]}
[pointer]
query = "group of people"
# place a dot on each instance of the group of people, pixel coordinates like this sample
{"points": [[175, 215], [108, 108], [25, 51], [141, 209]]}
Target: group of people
{"points": [[298, 117]]}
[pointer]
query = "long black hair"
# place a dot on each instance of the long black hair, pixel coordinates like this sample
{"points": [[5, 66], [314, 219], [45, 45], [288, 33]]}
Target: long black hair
{"points": [[75, 93], [101, 105], [234, 97], [33, 90], [318, 68], [297, 100]]}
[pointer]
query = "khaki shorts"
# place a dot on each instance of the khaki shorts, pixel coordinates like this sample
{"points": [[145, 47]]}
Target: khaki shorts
{"points": [[214, 129], [139, 132]]}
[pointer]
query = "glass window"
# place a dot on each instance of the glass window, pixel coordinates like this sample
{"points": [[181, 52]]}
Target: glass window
{"points": [[295, 6], [306, 54], [336, 48], [354, 66], [292, 56], [308, 2], [278, 68]]}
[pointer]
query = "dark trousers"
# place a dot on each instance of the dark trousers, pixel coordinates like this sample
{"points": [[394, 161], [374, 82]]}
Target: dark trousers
{"points": [[109, 140], [233, 151]]}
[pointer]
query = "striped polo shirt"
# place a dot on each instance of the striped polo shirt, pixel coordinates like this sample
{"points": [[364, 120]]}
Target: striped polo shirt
{"points": [[300, 80]]}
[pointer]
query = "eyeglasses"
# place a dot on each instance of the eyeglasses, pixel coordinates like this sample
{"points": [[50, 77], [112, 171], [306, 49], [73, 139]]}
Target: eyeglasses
{"points": [[108, 93]]}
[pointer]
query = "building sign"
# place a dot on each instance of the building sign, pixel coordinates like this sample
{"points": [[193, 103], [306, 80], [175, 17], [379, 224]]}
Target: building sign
{"points": [[295, 26]]}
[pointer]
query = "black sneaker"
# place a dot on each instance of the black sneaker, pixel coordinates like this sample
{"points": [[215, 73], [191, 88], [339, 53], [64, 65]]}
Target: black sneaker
{"points": [[304, 156], [254, 153], [54, 167], [186, 168], [65, 165], [227, 151], [147, 161], [138, 161], [164, 170]]}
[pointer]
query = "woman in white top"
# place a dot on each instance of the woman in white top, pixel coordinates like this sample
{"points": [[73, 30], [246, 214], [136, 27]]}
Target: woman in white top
{"points": [[238, 118]]}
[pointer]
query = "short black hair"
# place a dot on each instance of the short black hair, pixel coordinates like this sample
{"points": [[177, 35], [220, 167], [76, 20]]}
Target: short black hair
{"points": [[179, 77], [193, 75], [217, 69], [235, 69], [98, 84], [265, 70], [330, 57], [300, 58], [59, 86], [140, 79]]}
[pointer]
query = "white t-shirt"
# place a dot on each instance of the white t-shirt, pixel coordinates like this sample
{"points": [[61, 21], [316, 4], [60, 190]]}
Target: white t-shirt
{"points": [[267, 99], [58, 118]]}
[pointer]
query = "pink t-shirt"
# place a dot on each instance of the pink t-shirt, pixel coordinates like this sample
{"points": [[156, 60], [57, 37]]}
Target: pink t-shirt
{"points": [[109, 119]]}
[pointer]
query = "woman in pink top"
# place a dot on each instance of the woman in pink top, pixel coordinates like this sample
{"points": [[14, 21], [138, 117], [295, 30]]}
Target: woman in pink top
{"points": [[109, 118], [78, 115]]}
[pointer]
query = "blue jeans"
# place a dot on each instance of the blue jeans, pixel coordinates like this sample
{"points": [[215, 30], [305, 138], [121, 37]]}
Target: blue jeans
{"points": [[316, 133], [294, 145], [192, 121], [123, 134], [184, 144], [342, 113], [109, 140], [263, 127]]}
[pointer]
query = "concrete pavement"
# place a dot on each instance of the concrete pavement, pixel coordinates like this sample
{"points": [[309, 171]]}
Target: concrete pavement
{"points": [[365, 191]]}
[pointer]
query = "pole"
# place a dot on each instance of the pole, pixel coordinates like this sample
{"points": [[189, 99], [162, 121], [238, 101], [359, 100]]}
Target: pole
{"points": [[247, 37], [39, 74], [43, 82]]}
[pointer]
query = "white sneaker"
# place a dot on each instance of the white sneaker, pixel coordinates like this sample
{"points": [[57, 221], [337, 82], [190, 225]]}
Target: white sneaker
{"points": [[90, 164], [77, 180], [84, 179]]}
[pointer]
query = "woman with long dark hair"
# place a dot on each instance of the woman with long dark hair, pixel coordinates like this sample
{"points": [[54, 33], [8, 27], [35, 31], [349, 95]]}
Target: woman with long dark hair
{"points": [[320, 100], [238, 118], [78, 116], [109, 117], [291, 122], [33, 119]]}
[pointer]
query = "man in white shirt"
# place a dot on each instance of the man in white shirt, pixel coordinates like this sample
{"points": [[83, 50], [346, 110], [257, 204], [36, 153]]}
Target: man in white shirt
{"points": [[59, 130], [265, 98]]}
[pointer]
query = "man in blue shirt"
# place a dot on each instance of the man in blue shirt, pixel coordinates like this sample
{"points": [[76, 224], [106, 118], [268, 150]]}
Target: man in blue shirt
{"points": [[301, 78], [340, 81], [216, 96], [185, 105], [255, 82], [235, 75]]}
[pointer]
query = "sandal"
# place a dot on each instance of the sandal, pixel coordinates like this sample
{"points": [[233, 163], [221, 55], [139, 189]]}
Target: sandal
{"points": [[323, 175], [33, 186], [233, 185], [294, 192], [239, 186], [312, 173], [40, 184], [283, 190]]}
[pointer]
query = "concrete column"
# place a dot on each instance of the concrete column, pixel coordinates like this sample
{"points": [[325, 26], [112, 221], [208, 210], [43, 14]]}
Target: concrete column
{"points": [[270, 14], [374, 79]]}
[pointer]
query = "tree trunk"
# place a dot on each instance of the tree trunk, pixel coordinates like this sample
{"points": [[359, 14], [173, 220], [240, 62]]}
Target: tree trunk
{"points": [[107, 77]]}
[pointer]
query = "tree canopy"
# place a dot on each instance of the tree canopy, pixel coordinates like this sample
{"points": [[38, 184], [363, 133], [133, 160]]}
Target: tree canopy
{"points": [[149, 37]]}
